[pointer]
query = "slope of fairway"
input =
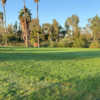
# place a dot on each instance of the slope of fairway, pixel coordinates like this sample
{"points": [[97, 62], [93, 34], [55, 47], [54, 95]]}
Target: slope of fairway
{"points": [[49, 74]]}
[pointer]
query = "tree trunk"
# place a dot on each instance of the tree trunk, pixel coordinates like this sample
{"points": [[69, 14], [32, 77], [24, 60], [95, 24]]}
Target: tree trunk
{"points": [[94, 36], [26, 41], [4, 17], [37, 10], [4, 24], [26, 30], [38, 41]]}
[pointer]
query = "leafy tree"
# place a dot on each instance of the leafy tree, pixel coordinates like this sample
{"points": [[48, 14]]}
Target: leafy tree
{"points": [[73, 22], [67, 29], [62, 32], [85, 33], [55, 30], [47, 31], [94, 25], [17, 31], [35, 29]]}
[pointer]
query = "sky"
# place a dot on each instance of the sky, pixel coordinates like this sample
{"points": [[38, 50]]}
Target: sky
{"points": [[54, 9]]}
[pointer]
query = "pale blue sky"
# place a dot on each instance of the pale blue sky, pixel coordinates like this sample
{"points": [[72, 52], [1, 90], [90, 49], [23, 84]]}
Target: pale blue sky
{"points": [[59, 9]]}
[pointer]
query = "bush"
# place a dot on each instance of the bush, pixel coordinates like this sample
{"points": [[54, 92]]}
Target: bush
{"points": [[52, 44], [80, 43], [65, 43], [19, 44], [95, 44], [44, 44], [11, 38], [68, 42], [60, 44]]}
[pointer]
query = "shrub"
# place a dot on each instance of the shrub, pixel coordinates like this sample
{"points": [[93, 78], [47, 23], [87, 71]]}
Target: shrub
{"points": [[44, 44], [60, 44], [52, 44], [95, 44], [80, 43], [65, 43]]}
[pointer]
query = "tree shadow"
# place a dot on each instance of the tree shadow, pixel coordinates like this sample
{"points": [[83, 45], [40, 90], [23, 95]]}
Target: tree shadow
{"points": [[72, 89], [49, 56]]}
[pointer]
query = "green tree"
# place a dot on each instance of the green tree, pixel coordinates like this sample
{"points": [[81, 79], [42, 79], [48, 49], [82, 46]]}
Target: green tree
{"points": [[35, 29], [10, 28], [47, 31], [55, 30], [73, 22], [94, 25], [67, 28]]}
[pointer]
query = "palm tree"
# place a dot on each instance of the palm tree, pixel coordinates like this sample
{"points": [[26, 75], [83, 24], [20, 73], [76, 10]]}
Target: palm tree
{"points": [[4, 11], [1, 18], [1, 24], [25, 19], [37, 2], [4, 19]]}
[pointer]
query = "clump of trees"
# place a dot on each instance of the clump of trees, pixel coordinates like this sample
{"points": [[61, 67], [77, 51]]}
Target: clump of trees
{"points": [[29, 32]]}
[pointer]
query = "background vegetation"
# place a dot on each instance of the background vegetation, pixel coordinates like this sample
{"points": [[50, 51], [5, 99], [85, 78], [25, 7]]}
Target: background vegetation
{"points": [[30, 33]]}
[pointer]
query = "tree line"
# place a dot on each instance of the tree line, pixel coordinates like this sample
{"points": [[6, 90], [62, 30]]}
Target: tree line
{"points": [[31, 34]]}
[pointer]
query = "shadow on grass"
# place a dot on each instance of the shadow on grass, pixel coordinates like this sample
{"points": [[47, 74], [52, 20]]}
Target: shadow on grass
{"points": [[49, 56], [72, 89]]}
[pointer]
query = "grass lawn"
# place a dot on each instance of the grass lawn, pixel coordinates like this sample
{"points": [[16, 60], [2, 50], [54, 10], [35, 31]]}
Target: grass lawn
{"points": [[49, 74]]}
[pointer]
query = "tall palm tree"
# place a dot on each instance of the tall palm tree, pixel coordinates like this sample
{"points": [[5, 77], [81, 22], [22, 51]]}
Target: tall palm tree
{"points": [[37, 2], [4, 19], [1, 18], [1, 24], [25, 19], [4, 11], [37, 13]]}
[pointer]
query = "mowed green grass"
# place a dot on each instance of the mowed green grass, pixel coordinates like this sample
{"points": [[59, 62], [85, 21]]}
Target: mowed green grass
{"points": [[49, 74]]}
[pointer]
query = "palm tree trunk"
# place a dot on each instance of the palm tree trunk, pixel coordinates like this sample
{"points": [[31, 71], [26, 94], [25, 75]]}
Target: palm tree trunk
{"points": [[26, 40], [26, 34], [4, 24], [26, 28], [4, 17], [38, 20], [37, 11], [38, 41]]}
